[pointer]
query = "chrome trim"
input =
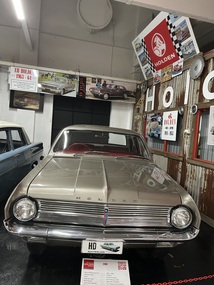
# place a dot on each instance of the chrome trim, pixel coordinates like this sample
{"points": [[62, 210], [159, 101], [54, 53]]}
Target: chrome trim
{"points": [[92, 214], [68, 233]]}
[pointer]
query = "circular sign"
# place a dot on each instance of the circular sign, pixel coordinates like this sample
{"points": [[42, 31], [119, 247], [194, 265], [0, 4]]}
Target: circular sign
{"points": [[197, 67]]}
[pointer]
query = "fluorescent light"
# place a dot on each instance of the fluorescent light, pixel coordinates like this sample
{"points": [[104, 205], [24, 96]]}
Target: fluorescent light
{"points": [[19, 9]]}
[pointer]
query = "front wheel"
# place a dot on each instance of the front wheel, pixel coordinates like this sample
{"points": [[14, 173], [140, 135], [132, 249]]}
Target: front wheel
{"points": [[105, 96], [36, 248]]}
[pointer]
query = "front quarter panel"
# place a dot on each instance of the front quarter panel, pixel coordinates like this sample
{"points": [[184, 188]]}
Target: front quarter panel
{"points": [[22, 188]]}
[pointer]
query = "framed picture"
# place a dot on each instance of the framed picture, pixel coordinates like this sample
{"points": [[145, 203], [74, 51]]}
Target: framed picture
{"points": [[26, 100]]}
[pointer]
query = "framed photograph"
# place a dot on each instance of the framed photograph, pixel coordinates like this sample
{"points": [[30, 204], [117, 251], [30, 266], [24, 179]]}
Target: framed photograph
{"points": [[26, 100]]}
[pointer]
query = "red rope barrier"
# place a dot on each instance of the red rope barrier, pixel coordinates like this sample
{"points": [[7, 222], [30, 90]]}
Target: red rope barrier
{"points": [[183, 281]]}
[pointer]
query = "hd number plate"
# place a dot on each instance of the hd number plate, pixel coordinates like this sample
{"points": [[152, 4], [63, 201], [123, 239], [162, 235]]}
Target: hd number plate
{"points": [[102, 246]]}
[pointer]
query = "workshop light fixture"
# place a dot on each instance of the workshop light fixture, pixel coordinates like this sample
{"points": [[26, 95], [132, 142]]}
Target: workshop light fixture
{"points": [[19, 9]]}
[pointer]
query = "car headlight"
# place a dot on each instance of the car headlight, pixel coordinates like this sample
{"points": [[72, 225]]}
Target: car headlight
{"points": [[181, 217], [24, 209]]}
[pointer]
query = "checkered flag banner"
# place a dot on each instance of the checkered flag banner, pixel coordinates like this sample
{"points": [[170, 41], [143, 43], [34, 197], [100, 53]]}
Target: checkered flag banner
{"points": [[148, 57], [173, 36]]}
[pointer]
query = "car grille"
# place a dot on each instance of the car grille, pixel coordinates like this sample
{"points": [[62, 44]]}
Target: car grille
{"points": [[93, 214]]}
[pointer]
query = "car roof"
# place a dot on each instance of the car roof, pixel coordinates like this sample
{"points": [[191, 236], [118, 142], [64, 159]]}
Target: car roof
{"points": [[6, 124], [101, 128]]}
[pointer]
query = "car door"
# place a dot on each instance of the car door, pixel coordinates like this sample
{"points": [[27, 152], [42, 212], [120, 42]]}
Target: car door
{"points": [[8, 164], [120, 91], [21, 152]]}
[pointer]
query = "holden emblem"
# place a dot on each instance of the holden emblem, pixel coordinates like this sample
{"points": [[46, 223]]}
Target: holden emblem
{"points": [[105, 216], [158, 44]]}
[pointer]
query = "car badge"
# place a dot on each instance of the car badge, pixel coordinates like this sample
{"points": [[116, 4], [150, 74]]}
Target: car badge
{"points": [[105, 216]]}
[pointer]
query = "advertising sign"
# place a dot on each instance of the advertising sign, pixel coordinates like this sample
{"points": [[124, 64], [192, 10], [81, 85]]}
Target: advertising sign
{"points": [[163, 44], [169, 125], [210, 140]]}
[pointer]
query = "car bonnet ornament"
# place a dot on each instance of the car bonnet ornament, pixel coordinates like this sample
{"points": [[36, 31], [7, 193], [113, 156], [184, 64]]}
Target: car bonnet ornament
{"points": [[105, 216]]}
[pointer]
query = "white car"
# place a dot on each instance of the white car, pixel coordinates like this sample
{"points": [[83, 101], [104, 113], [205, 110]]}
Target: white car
{"points": [[110, 246]]}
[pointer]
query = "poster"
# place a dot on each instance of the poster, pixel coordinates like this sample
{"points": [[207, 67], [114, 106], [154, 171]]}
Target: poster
{"points": [[164, 44], [111, 90], [105, 272], [23, 79], [169, 125], [154, 125], [210, 136], [58, 83]]}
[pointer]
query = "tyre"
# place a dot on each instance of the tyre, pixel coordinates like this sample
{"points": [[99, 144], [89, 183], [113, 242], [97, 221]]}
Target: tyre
{"points": [[105, 96], [36, 248]]}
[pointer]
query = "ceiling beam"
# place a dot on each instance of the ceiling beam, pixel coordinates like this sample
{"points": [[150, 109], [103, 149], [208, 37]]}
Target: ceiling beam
{"points": [[195, 9], [27, 34]]}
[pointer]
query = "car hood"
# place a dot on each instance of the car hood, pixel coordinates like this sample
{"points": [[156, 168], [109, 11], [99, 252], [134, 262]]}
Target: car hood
{"points": [[56, 84], [104, 179]]}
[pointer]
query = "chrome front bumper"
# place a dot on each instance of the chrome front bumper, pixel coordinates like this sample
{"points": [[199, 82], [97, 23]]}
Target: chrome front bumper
{"points": [[73, 235]]}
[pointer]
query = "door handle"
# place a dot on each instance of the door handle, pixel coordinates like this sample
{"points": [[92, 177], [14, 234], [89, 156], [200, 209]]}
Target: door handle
{"points": [[16, 155]]}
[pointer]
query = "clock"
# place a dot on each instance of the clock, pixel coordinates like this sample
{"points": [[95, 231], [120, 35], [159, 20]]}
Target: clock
{"points": [[197, 67]]}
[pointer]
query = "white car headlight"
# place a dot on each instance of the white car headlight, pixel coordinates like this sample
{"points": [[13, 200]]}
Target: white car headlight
{"points": [[181, 217], [25, 209]]}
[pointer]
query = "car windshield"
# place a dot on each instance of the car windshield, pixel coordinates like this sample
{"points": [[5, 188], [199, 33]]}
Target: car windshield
{"points": [[111, 86], [100, 142]]}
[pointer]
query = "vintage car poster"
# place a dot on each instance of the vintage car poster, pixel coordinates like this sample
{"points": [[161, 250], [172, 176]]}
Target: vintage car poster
{"points": [[177, 67], [166, 40], [23, 79], [104, 271], [111, 90], [154, 125], [57, 83], [169, 125], [210, 137]]}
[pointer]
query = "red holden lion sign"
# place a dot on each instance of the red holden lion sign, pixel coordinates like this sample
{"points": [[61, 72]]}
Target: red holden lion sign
{"points": [[164, 44]]}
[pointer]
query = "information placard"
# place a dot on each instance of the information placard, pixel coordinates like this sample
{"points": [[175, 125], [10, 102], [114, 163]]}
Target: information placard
{"points": [[105, 272], [23, 79]]}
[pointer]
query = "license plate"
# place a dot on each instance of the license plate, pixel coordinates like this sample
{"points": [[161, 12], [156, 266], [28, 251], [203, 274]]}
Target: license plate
{"points": [[102, 246]]}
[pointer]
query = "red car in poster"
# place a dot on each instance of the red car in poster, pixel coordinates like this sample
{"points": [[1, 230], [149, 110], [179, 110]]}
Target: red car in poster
{"points": [[111, 90]]}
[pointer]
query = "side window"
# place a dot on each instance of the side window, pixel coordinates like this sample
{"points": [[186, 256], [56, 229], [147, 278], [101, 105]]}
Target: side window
{"points": [[17, 139], [4, 142]]}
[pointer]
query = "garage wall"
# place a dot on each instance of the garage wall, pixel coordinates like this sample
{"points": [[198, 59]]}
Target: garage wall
{"points": [[37, 125], [121, 115], [61, 41], [192, 165]]}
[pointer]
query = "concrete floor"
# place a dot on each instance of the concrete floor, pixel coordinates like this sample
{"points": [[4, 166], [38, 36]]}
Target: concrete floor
{"points": [[62, 266]]}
